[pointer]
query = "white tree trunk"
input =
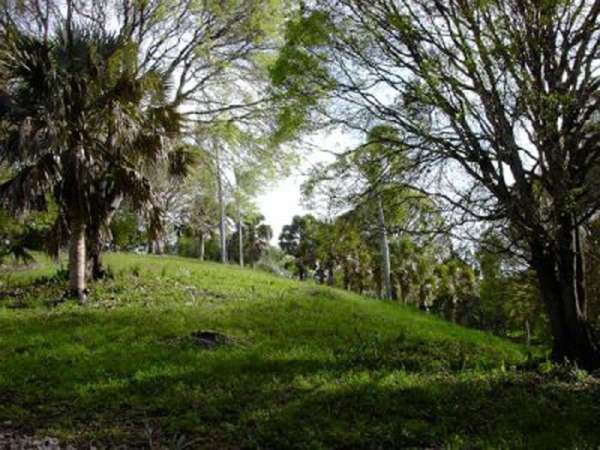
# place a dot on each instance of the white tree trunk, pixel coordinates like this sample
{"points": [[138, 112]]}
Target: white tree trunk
{"points": [[222, 226], [202, 246], [385, 254], [77, 260]]}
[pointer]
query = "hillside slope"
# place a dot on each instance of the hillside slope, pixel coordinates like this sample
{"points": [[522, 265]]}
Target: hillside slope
{"points": [[291, 365]]}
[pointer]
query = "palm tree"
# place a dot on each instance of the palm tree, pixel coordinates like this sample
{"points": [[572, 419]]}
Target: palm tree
{"points": [[258, 236], [76, 121]]}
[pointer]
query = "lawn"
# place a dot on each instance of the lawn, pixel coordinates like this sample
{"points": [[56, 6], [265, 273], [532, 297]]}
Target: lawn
{"points": [[295, 365]]}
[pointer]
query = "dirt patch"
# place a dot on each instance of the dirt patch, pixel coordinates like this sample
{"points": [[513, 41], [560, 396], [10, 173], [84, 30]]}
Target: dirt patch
{"points": [[204, 339], [209, 339]]}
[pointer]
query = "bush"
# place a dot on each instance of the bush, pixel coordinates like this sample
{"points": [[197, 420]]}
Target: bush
{"points": [[275, 261]]}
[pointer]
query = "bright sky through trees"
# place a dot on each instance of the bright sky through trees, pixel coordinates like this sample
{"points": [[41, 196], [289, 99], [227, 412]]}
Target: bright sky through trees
{"points": [[283, 200]]}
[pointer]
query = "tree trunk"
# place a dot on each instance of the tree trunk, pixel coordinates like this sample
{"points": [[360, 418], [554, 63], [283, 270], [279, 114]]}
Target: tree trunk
{"points": [[404, 290], [301, 271], [241, 240], [346, 280], [222, 226], [156, 246], [559, 277], [385, 254], [77, 260], [202, 246], [321, 274], [94, 237], [95, 249], [330, 275]]}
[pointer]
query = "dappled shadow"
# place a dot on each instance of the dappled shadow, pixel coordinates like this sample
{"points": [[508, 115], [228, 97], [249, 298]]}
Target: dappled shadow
{"points": [[301, 370], [503, 412], [113, 380]]}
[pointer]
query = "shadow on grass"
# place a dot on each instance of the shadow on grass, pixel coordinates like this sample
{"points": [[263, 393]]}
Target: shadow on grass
{"points": [[116, 377]]}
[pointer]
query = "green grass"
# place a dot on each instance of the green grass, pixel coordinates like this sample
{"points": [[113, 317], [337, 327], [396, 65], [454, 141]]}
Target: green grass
{"points": [[306, 367]]}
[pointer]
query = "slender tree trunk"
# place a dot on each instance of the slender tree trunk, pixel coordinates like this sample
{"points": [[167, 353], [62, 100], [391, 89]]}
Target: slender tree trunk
{"points": [[241, 239], [558, 273], [321, 274], [330, 275], [301, 272], [77, 260], [95, 256], [222, 226], [385, 254], [346, 277], [423, 299], [527, 333], [405, 290], [202, 246]]}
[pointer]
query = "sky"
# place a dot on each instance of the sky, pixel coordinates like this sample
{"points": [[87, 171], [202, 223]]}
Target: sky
{"points": [[282, 201]]}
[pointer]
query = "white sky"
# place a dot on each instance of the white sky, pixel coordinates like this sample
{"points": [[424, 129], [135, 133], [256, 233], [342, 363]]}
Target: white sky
{"points": [[283, 200]]}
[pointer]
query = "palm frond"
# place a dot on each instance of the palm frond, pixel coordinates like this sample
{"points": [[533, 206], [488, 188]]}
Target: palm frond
{"points": [[28, 188], [181, 159]]}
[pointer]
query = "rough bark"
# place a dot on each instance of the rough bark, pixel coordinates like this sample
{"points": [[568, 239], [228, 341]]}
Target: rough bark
{"points": [[77, 260], [557, 275]]}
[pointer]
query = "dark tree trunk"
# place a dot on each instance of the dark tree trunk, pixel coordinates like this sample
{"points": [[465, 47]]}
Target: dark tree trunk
{"points": [[95, 256], [560, 278], [346, 278], [301, 272], [330, 275], [94, 236], [321, 274]]}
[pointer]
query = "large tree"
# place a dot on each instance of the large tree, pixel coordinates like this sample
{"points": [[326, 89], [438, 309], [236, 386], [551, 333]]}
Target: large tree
{"points": [[500, 97], [76, 119]]}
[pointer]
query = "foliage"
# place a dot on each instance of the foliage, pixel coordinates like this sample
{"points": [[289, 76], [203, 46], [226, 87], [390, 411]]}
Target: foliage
{"points": [[299, 63], [298, 240], [275, 261], [20, 235], [125, 229]]}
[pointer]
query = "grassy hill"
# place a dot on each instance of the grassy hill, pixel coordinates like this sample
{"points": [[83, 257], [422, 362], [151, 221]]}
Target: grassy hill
{"points": [[294, 365]]}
